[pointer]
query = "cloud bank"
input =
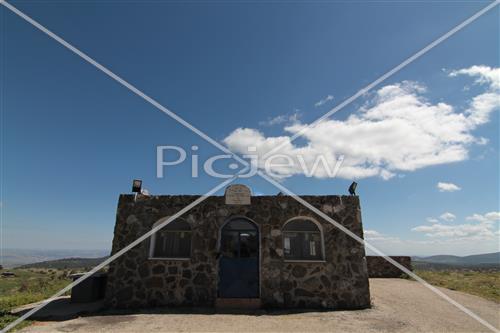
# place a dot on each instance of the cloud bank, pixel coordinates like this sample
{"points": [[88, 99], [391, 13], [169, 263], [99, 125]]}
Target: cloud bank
{"points": [[483, 227], [397, 130]]}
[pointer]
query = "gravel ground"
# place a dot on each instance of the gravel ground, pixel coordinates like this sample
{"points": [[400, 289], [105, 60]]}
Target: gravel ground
{"points": [[399, 306]]}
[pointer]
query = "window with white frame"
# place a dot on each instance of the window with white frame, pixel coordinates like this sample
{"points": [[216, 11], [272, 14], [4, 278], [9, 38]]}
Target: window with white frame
{"points": [[302, 240], [172, 241]]}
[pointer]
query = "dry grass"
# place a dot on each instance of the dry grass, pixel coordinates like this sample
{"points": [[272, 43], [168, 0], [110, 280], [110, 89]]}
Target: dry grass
{"points": [[485, 284]]}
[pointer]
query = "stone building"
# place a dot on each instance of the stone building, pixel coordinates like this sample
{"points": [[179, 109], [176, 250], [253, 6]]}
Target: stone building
{"points": [[270, 251]]}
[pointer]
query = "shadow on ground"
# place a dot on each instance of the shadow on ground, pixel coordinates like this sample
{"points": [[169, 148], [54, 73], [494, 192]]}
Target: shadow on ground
{"points": [[63, 309]]}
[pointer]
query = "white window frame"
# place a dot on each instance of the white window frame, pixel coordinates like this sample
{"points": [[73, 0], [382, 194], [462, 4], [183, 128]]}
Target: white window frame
{"points": [[153, 242], [321, 235]]}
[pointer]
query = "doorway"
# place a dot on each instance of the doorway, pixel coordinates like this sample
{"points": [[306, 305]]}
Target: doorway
{"points": [[239, 260]]}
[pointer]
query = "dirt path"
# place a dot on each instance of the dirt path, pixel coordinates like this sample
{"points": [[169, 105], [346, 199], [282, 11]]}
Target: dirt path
{"points": [[399, 306]]}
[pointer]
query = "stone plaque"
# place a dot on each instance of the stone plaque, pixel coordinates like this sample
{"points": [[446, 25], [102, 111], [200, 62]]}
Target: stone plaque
{"points": [[237, 194]]}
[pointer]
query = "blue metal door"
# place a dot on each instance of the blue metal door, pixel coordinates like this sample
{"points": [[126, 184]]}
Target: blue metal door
{"points": [[239, 260]]}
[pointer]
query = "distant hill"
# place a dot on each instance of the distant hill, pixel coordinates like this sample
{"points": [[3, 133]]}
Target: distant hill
{"points": [[67, 263], [486, 260], [18, 257]]}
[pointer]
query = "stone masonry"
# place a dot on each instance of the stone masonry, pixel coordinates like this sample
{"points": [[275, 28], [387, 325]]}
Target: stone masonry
{"points": [[378, 267], [338, 282]]}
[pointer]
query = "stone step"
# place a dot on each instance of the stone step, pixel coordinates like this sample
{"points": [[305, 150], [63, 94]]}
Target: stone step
{"points": [[237, 303]]}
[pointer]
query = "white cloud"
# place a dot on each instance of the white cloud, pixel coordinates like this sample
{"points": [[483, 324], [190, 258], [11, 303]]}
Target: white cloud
{"points": [[397, 130], [282, 119], [274, 121], [491, 216], [463, 239], [323, 101], [484, 228], [482, 141], [447, 187], [371, 233], [448, 217], [481, 231], [432, 220], [375, 236], [484, 75], [481, 105], [437, 245]]}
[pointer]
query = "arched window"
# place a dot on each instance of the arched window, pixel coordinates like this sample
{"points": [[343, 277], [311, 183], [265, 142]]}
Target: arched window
{"points": [[302, 240], [172, 241], [239, 239]]}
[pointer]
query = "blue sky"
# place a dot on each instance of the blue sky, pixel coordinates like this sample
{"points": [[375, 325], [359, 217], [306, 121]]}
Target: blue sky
{"points": [[73, 139]]}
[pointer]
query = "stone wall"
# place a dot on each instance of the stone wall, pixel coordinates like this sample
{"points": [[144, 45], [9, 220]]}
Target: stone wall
{"points": [[340, 281], [378, 267]]}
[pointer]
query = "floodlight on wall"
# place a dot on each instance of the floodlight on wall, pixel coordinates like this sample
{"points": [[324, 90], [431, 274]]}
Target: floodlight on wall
{"points": [[352, 188], [136, 186]]}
